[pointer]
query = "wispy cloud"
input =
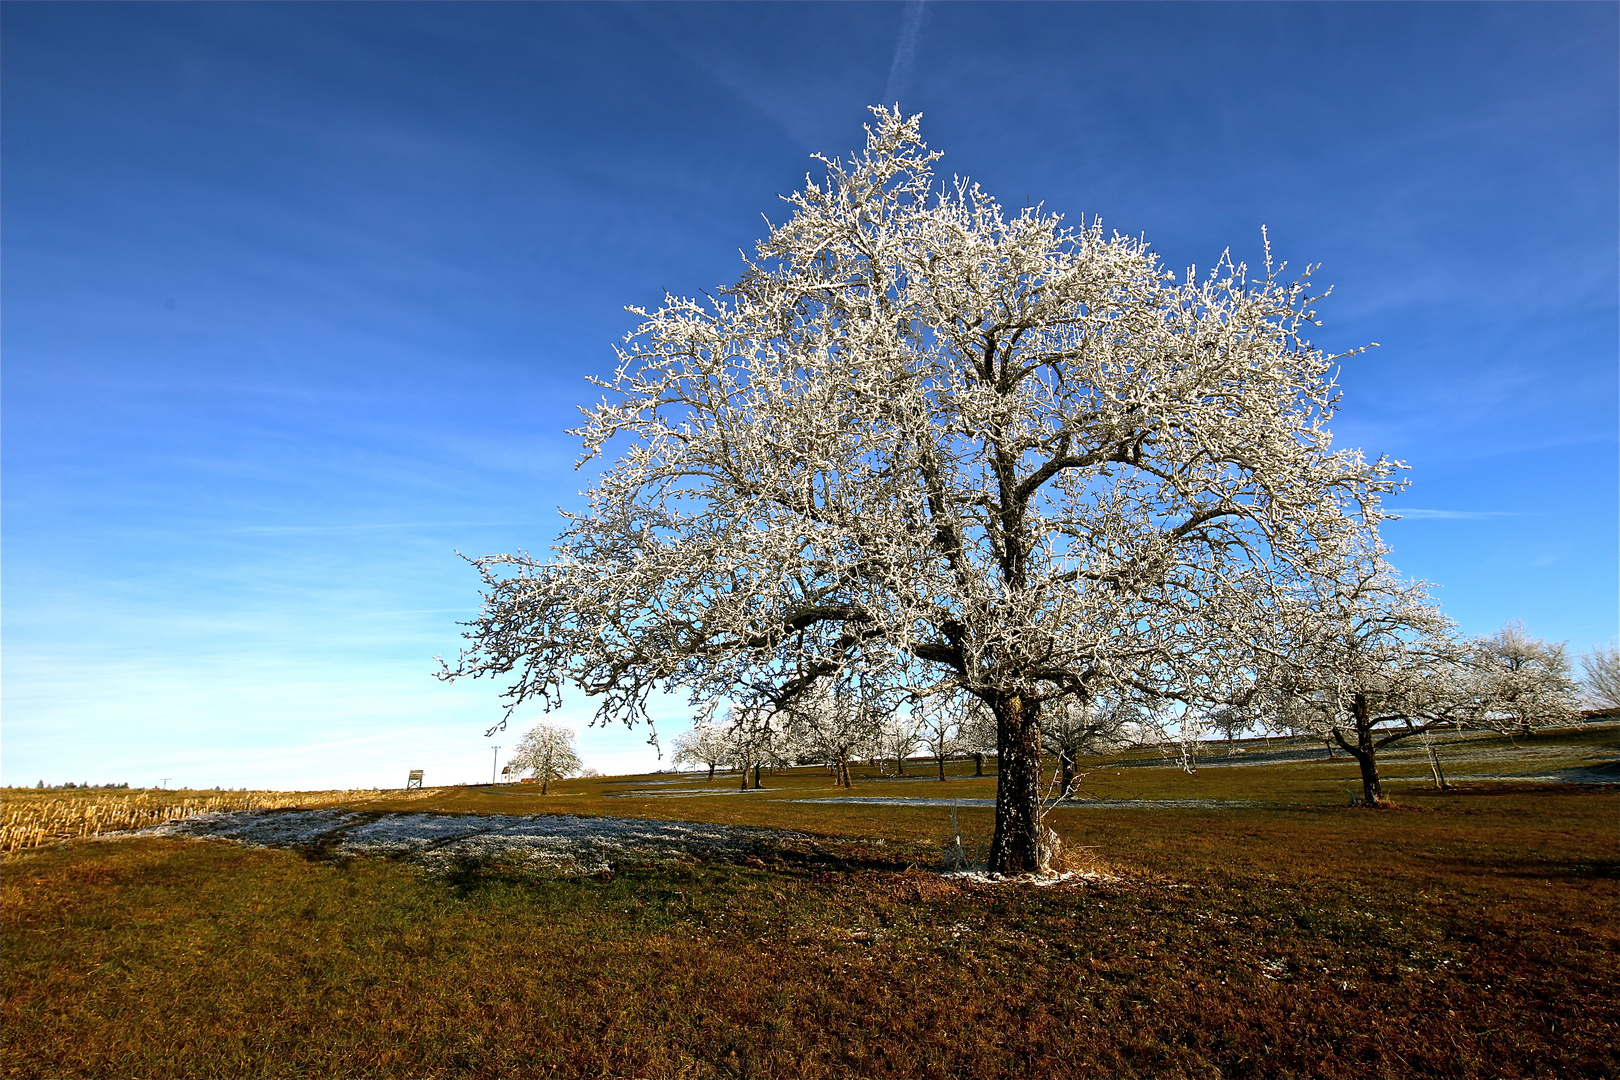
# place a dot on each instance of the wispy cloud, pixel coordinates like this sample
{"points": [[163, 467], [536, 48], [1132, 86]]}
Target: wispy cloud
{"points": [[1417, 514], [277, 530], [905, 52]]}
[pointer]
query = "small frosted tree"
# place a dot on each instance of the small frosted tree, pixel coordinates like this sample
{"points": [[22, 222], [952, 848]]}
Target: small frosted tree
{"points": [[704, 745], [1519, 682], [1600, 677], [547, 752], [953, 447], [939, 722], [1078, 729], [899, 734], [834, 722], [1366, 659], [977, 733], [754, 739]]}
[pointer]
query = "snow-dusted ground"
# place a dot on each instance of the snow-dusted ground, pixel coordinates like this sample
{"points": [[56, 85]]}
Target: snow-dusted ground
{"points": [[1545, 756], [577, 845], [1071, 804]]}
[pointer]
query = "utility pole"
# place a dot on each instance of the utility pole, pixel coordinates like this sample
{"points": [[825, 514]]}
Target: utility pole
{"points": [[495, 753], [164, 780]]}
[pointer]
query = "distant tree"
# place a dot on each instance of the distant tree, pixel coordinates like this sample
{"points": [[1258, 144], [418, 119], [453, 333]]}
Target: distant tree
{"points": [[899, 734], [1367, 660], [1230, 722], [1519, 682], [754, 739], [836, 722], [1078, 729], [1600, 677], [977, 735], [547, 751], [939, 722], [704, 744]]}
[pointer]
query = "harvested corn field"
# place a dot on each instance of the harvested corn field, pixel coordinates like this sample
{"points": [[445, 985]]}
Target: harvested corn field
{"points": [[29, 819]]}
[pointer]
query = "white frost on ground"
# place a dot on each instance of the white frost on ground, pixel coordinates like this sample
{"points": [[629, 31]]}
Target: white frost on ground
{"points": [[687, 793], [1070, 877], [564, 842], [1072, 804]]}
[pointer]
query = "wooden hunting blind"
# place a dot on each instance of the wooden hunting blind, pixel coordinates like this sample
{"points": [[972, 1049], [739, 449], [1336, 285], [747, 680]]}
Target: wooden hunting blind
{"points": [[414, 780]]}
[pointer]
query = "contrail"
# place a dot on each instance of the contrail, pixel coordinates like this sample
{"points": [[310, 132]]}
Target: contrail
{"points": [[905, 50]]}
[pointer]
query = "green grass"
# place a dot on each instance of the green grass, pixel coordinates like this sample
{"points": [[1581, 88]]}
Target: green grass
{"points": [[1469, 933]]}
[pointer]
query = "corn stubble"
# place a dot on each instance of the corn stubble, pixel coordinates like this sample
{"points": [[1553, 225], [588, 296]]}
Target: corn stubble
{"points": [[30, 819]]}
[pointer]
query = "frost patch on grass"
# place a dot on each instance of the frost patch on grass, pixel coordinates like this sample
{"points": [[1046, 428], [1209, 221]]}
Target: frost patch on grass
{"points": [[561, 842], [1072, 804], [1068, 877], [1598, 775], [687, 793]]}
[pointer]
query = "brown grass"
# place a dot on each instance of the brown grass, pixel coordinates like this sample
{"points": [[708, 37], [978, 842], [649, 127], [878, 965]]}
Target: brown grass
{"points": [[1466, 934]]}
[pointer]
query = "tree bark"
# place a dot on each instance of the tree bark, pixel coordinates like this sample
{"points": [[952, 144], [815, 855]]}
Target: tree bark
{"points": [[978, 764], [758, 765], [1434, 763], [1365, 753], [711, 770], [942, 766], [1065, 773], [1015, 847]]}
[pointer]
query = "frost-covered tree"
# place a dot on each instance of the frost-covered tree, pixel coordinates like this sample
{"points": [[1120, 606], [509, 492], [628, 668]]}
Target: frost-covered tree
{"points": [[1074, 729], [703, 745], [1600, 677], [1520, 683], [939, 725], [977, 733], [1230, 722], [1366, 659], [899, 734], [547, 752], [954, 447], [755, 737], [834, 722]]}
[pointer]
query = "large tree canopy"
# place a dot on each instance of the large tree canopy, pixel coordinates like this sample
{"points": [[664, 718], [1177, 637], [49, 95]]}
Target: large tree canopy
{"points": [[948, 448]]}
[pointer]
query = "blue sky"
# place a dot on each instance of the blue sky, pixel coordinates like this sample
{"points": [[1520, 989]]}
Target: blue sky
{"points": [[299, 300]]}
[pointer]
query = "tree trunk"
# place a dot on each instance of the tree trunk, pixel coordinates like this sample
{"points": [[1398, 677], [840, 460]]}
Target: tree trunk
{"points": [[1365, 753], [1434, 764], [711, 770], [978, 764], [1065, 773], [1016, 846], [942, 766], [1329, 743], [745, 776], [899, 765], [758, 765], [545, 782]]}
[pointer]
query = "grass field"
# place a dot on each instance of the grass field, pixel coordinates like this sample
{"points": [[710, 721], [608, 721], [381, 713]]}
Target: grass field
{"points": [[1241, 922]]}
